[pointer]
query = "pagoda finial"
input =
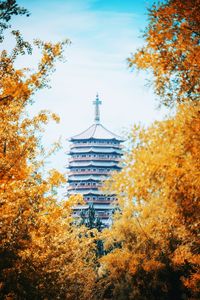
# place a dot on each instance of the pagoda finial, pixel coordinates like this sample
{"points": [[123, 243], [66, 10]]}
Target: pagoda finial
{"points": [[97, 102]]}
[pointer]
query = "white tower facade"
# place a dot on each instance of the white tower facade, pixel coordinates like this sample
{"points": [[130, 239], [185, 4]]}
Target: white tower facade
{"points": [[94, 155]]}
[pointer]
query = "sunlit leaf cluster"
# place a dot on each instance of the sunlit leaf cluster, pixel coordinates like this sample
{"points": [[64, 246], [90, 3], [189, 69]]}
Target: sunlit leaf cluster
{"points": [[172, 50]]}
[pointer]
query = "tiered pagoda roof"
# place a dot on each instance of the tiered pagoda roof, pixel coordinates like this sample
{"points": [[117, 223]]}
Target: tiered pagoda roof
{"points": [[96, 131]]}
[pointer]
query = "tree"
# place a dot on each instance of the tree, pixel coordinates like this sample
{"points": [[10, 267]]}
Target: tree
{"points": [[157, 230], [41, 253], [154, 241], [89, 218], [9, 8], [172, 50]]}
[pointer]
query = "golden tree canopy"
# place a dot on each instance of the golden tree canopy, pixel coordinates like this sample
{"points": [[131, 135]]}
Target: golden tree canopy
{"points": [[172, 50], [154, 240]]}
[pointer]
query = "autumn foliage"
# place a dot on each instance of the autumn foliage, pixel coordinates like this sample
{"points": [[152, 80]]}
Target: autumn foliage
{"points": [[152, 250], [172, 50], [42, 255], [155, 236], [153, 246]]}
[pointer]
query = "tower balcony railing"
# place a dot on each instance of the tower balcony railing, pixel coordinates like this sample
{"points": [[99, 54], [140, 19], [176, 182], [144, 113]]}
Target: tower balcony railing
{"points": [[96, 201], [101, 216], [93, 158], [86, 186], [89, 172], [102, 211], [96, 144], [103, 202], [104, 216]]}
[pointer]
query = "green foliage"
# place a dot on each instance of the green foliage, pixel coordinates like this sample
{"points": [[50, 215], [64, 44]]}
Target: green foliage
{"points": [[8, 9]]}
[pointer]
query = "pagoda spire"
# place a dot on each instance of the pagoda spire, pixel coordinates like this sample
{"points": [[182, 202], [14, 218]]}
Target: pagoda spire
{"points": [[96, 103]]}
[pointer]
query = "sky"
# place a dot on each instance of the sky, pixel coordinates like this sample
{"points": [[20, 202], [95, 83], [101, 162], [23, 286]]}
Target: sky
{"points": [[103, 34]]}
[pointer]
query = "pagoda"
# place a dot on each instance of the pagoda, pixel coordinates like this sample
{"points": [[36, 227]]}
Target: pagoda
{"points": [[94, 155]]}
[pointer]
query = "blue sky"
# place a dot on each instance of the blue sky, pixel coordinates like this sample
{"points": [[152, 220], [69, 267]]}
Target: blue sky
{"points": [[103, 34]]}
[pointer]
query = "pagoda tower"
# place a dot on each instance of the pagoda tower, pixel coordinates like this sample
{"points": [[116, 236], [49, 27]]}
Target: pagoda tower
{"points": [[94, 155]]}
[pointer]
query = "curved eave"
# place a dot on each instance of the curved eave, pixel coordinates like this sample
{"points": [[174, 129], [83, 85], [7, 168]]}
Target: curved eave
{"points": [[96, 131], [93, 163], [120, 140], [91, 168], [94, 150], [87, 178], [89, 192], [97, 206]]}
